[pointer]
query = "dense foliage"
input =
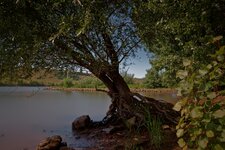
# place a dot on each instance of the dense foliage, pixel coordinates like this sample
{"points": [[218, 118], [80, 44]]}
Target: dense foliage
{"points": [[202, 123], [173, 30]]}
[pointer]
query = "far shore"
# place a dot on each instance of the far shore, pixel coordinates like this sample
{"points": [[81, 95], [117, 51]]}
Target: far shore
{"points": [[142, 90]]}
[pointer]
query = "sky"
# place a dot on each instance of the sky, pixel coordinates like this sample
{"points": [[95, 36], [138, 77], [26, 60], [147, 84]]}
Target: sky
{"points": [[139, 64]]}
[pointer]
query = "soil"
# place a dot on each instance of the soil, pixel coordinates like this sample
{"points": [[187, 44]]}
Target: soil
{"points": [[120, 138]]}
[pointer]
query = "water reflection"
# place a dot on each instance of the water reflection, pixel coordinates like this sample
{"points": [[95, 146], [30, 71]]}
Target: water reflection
{"points": [[29, 114]]}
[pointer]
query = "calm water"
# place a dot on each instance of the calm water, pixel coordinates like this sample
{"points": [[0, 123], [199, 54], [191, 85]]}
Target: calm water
{"points": [[29, 114]]}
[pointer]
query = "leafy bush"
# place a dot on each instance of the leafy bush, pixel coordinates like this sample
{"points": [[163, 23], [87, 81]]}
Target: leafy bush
{"points": [[202, 122], [89, 82], [67, 82]]}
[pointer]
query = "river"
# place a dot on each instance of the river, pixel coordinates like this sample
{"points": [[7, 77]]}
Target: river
{"points": [[29, 114]]}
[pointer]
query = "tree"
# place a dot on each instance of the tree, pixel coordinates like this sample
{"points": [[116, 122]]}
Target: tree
{"points": [[96, 35], [173, 30]]}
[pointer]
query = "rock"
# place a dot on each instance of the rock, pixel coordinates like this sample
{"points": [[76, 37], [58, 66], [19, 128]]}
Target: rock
{"points": [[81, 122], [51, 143]]}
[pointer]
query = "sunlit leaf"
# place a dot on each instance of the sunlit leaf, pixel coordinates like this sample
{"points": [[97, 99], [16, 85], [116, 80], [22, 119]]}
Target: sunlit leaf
{"points": [[180, 132], [196, 113], [203, 72], [221, 51], [186, 62], [209, 66], [203, 143], [179, 104], [181, 142], [219, 113], [210, 133], [214, 63], [182, 74], [218, 147], [211, 95]]}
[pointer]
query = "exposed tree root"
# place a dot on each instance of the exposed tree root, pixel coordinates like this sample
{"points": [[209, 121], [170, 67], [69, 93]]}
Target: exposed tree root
{"points": [[120, 109]]}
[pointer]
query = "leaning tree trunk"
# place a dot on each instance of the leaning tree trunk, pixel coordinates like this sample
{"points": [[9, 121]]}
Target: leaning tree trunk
{"points": [[126, 105]]}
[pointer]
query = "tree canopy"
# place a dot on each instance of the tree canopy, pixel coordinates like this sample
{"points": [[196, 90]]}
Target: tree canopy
{"points": [[174, 30], [98, 35]]}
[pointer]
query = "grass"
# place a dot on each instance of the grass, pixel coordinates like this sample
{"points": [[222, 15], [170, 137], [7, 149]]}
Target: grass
{"points": [[154, 127]]}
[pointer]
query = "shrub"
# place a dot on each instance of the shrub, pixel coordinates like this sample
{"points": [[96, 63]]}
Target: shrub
{"points": [[67, 82], [89, 82], [202, 122]]}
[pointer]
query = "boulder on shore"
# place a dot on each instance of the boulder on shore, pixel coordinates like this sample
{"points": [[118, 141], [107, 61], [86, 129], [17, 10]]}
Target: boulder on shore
{"points": [[81, 122], [52, 143]]}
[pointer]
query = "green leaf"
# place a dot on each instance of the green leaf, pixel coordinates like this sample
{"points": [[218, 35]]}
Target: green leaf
{"points": [[221, 51], [209, 66], [186, 62], [197, 131], [179, 92], [211, 95], [196, 113], [203, 143], [218, 147], [222, 121], [222, 92], [220, 58], [219, 113], [180, 132], [210, 133], [222, 139], [219, 128], [181, 142], [179, 104], [182, 74], [208, 86], [203, 72], [214, 63]]}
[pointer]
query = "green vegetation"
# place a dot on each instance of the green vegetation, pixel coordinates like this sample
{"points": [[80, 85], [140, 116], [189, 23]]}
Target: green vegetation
{"points": [[178, 34], [174, 30], [67, 82], [154, 127], [202, 122], [88, 82]]}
